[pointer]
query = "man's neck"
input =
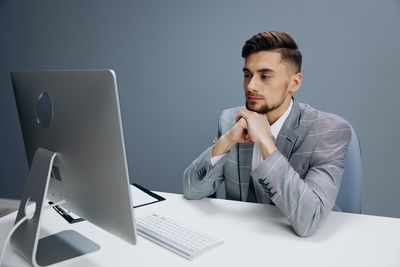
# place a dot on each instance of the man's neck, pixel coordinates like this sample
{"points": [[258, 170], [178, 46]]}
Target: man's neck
{"points": [[275, 114]]}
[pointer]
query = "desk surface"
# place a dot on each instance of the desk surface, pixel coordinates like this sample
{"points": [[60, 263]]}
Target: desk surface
{"points": [[253, 234]]}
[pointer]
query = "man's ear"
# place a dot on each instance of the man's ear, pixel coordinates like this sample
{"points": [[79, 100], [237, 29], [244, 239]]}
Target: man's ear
{"points": [[295, 82]]}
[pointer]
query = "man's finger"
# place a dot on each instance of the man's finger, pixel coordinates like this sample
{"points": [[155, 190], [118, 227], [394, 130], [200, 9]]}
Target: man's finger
{"points": [[249, 111], [242, 122], [238, 116], [242, 114]]}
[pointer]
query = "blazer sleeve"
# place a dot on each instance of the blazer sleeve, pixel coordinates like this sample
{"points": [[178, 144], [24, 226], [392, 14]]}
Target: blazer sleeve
{"points": [[306, 202], [200, 179]]}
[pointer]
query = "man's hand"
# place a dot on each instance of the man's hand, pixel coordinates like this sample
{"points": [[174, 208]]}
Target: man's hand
{"points": [[257, 125], [237, 134], [259, 131], [250, 127]]}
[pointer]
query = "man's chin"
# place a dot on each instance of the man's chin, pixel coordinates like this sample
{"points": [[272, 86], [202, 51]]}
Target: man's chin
{"points": [[260, 110]]}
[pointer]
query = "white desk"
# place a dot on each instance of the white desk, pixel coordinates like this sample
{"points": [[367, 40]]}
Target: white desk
{"points": [[253, 234]]}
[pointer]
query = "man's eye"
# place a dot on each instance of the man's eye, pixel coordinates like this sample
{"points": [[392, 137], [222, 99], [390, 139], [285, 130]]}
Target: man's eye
{"points": [[246, 75], [265, 77]]}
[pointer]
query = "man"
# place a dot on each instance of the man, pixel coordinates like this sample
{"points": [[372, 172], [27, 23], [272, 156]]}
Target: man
{"points": [[276, 150]]}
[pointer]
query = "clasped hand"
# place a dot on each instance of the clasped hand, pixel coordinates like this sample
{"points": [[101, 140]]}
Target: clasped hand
{"points": [[250, 127]]}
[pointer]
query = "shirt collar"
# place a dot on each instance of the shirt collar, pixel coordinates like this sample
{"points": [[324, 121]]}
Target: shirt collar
{"points": [[277, 125]]}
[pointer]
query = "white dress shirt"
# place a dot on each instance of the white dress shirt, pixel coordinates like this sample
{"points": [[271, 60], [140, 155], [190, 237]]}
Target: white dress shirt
{"points": [[275, 129]]}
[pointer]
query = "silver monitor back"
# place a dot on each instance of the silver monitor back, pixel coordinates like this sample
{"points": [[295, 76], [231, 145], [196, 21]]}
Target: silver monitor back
{"points": [[77, 115]]}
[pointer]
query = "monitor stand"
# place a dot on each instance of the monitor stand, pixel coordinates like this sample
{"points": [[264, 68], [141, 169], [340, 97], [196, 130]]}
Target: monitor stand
{"points": [[54, 248]]}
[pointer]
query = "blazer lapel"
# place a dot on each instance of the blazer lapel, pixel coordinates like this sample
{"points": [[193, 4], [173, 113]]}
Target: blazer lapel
{"points": [[287, 136]]}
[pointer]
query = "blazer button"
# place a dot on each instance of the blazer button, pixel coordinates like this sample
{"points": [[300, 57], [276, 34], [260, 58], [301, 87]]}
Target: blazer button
{"points": [[271, 194], [201, 173]]}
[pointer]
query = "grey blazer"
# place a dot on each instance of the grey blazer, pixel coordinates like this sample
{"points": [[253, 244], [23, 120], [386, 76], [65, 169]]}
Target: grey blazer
{"points": [[302, 178]]}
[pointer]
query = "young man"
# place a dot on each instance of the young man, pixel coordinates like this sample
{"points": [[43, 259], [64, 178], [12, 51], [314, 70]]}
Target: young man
{"points": [[275, 150]]}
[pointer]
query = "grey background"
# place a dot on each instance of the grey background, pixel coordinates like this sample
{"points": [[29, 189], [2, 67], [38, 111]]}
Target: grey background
{"points": [[178, 66]]}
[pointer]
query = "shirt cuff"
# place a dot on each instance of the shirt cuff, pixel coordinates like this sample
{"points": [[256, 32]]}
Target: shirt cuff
{"points": [[215, 159]]}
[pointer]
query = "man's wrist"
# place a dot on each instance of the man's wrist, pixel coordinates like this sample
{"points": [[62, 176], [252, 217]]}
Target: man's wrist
{"points": [[222, 146], [267, 147]]}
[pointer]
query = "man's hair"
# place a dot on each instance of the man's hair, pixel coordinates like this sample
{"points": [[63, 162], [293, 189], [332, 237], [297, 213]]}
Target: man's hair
{"points": [[278, 41]]}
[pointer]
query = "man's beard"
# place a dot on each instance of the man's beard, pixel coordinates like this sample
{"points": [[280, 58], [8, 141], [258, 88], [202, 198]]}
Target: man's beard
{"points": [[264, 109]]}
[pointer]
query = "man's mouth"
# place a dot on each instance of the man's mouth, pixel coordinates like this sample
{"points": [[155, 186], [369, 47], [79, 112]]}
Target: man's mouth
{"points": [[254, 98]]}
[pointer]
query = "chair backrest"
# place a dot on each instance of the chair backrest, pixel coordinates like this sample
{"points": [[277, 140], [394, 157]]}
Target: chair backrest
{"points": [[350, 192]]}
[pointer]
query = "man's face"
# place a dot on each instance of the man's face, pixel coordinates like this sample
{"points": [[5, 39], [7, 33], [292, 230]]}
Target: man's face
{"points": [[266, 82]]}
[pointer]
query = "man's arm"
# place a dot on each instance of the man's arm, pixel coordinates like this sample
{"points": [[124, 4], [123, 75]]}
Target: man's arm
{"points": [[306, 203], [201, 178]]}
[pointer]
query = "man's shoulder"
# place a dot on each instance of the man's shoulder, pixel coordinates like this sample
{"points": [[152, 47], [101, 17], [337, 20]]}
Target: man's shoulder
{"points": [[316, 120], [229, 115]]}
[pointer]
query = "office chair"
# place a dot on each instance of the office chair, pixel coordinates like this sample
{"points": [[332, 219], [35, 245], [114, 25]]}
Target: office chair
{"points": [[350, 192]]}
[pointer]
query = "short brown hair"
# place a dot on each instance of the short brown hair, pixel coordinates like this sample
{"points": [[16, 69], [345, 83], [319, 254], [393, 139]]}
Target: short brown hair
{"points": [[273, 40]]}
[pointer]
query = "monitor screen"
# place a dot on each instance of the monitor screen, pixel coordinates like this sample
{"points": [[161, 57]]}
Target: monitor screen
{"points": [[76, 115]]}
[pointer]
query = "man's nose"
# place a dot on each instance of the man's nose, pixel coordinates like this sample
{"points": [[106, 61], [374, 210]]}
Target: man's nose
{"points": [[252, 86]]}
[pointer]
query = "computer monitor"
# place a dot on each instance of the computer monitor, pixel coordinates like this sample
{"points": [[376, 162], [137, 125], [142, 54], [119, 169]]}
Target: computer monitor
{"points": [[72, 131]]}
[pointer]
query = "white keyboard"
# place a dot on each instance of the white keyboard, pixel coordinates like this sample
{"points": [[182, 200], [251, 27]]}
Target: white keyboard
{"points": [[167, 233]]}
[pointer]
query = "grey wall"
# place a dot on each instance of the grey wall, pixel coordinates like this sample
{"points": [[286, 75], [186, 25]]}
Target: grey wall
{"points": [[178, 65]]}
